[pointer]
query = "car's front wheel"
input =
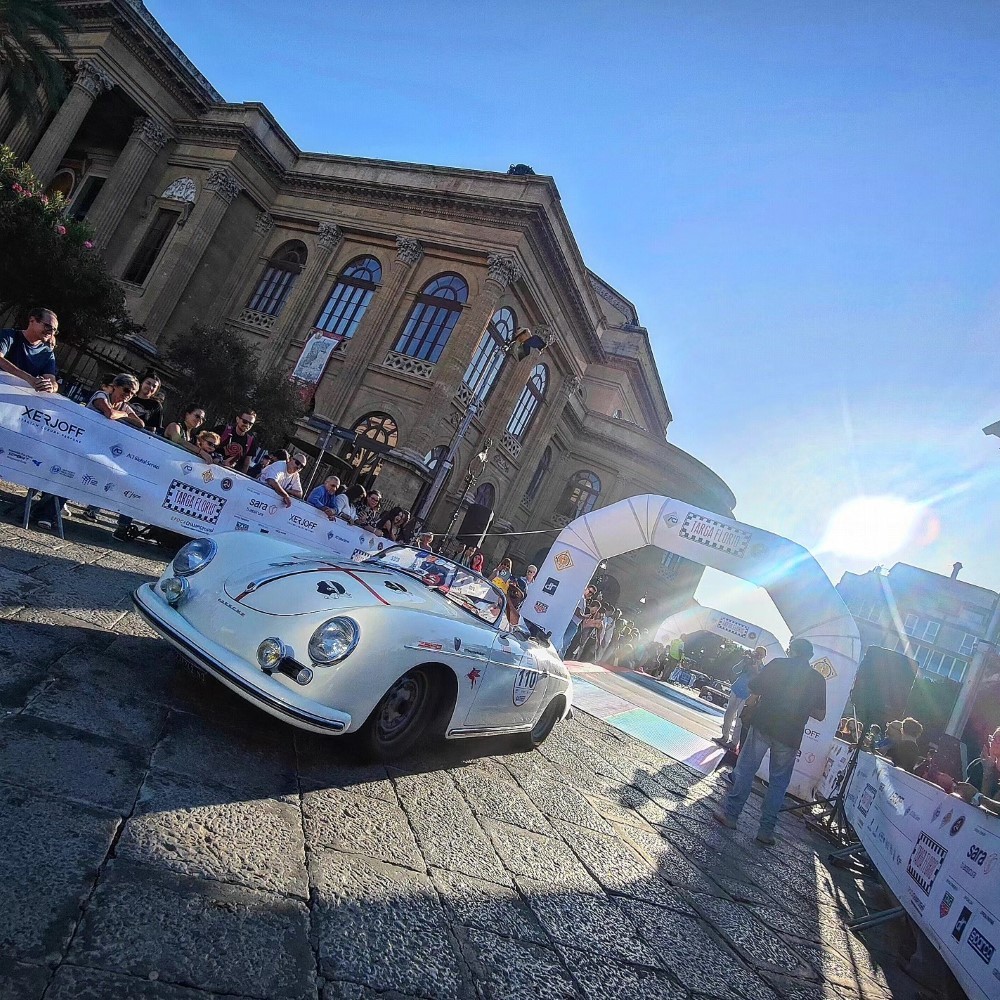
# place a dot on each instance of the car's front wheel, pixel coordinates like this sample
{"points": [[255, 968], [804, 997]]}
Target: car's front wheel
{"points": [[401, 718], [543, 727]]}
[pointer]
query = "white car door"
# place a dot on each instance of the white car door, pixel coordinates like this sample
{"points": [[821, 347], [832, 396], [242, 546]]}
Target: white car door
{"points": [[512, 689]]}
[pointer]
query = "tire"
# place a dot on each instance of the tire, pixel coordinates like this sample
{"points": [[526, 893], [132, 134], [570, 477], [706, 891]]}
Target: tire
{"points": [[542, 729], [401, 717]]}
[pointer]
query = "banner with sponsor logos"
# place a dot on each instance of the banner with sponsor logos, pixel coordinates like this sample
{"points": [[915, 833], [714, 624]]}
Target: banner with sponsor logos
{"points": [[941, 859], [802, 593], [52, 444], [832, 779]]}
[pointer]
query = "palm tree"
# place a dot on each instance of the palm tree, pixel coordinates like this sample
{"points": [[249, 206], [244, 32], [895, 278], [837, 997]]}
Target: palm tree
{"points": [[32, 35]]}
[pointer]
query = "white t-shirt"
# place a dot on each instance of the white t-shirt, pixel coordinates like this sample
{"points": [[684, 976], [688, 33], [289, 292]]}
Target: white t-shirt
{"points": [[343, 507], [288, 481]]}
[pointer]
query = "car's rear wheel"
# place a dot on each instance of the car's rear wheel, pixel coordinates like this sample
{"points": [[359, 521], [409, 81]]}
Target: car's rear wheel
{"points": [[542, 729], [402, 716]]}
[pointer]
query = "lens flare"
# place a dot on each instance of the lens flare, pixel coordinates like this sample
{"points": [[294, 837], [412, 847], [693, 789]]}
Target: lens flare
{"points": [[873, 527]]}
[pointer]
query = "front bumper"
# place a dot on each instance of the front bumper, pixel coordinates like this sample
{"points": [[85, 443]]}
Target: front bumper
{"points": [[246, 679]]}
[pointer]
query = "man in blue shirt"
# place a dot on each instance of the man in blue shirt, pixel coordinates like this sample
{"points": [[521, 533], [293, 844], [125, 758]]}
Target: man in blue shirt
{"points": [[322, 496], [28, 355]]}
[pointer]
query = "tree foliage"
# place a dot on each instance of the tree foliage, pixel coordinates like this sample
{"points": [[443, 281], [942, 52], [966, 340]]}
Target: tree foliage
{"points": [[221, 372], [32, 36], [49, 260]]}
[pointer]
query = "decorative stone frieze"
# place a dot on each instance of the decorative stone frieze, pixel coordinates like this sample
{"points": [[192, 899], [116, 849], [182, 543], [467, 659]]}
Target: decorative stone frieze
{"points": [[408, 250], [92, 78], [223, 183], [408, 366], [263, 224], [502, 269], [149, 131], [329, 235]]}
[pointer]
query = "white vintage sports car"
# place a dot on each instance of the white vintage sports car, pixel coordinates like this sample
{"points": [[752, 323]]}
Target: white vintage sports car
{"points": [[402, 646]]}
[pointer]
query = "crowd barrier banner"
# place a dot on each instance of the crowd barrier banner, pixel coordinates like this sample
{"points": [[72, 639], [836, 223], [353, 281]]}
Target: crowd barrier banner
{"points": [[941, 859], [835, 771], [52, 444]]}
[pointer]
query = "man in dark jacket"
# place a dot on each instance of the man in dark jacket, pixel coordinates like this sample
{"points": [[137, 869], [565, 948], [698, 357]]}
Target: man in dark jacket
{"points": [[790, 693]]}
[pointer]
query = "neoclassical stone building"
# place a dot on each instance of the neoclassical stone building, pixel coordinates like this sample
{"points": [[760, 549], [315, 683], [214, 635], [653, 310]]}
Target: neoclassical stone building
{"points": [[415, 276]]}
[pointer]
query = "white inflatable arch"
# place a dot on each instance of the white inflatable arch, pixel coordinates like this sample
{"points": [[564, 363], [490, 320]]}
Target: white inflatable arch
{"points": [[702, 619], [800, 590]]}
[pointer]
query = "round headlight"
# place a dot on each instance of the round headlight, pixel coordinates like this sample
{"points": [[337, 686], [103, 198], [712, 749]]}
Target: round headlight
{"points": [[174, 589], [333, 640], [270, 653], [194, 556]]}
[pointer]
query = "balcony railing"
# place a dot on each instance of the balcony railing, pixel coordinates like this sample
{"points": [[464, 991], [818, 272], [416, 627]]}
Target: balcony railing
{"points": [[408, 366], [258, 320]]}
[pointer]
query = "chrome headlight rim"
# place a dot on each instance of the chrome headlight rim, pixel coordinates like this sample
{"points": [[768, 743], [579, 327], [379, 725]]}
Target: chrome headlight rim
{"points": [[277, 650], [322, 659], [210, 550], [174, 589]]}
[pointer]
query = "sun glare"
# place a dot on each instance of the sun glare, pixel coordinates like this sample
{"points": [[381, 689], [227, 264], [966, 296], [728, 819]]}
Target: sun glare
{"points": [[872, 527]]}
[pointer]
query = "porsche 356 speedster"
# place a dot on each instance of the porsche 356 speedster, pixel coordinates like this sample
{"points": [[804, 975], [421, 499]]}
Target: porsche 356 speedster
{"points": [[396, 649]]}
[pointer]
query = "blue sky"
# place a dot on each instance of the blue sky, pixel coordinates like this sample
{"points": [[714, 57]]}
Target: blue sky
{"points": [[801, 199]]}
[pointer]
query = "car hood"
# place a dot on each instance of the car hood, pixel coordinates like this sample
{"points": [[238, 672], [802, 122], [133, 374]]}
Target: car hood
{"points": [[297, 586]]}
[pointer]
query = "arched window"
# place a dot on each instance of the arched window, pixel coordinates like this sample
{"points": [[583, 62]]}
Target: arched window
{"points": [[280, 274], [432, 318], [350, 297], [381, 431], [527, 404], [580, 495], [482, 372], [485, 495], [541, 471]]}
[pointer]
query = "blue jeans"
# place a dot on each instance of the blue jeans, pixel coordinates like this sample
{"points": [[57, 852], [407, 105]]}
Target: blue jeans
{"points": [[568, 638], [779, 774]]}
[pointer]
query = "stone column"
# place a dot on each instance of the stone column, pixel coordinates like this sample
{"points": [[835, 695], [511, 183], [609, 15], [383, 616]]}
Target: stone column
{"points": [[228, 303], [185, 252], [91, 81], [369, 341], [22, 132], [303, 294], [148, 138], [454, 362]]}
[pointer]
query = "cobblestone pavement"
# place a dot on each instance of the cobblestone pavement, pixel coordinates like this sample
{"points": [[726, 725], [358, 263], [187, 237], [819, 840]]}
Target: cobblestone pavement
{"points": [[159, 839]]}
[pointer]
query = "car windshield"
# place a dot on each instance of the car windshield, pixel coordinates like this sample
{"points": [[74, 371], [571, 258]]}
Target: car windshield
{"points": [[461, 585]]}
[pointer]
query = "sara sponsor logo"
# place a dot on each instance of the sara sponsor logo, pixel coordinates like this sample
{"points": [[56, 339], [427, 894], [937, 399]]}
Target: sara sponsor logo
{"points": [[193, 502], [52, 423], [978, 859], [925, 862], [264, 508], [303, 522], [981, 945]]}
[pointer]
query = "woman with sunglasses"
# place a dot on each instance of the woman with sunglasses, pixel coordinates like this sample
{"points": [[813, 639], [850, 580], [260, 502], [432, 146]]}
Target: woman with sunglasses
{"points": [[183, 431]]}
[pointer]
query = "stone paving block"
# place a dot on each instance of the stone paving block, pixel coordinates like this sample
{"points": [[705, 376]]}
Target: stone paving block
{"points": [[545, 859], [40, 641], [448, 834], [668, 862], [351, 821], [132, 623], [22, 982], [325, 762], [28, 555], [144, 921], [383, 926], [616, 811], [491, 798], [82, 706], [49, 757], [20, 681], [696, 958], [515, 970], [144, 566], [488, 906], [759, 945], [803, 989], [343, 990], [74, 983], [208, 831], [50, 852], [601, 978], [842, 968], [556, 800], [251, 764], [620, 868], [588, 921], [817, 924]]}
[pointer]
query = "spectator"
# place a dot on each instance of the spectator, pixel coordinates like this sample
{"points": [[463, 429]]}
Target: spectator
{"points": [[744, 670], [283, 477], [236, 443], [984, 793], [477, 561], [589, 630], [206, 446], [393, 524], [346, 503], [114, 404], [524, 582], [369, 513], [182, 431], [576, 621], [789, 693], [904, 751], [146, 405], [675, 654], [29, 354], [323, 496], [503, 574], [515, 598], [425, 540]]}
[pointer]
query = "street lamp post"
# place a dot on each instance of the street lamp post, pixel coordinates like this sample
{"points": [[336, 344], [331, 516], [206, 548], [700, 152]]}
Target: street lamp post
{"points": [[476, 468]]}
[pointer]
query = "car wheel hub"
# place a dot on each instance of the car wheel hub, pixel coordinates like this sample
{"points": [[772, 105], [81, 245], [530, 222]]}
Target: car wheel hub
{"points": [[400, 705]]}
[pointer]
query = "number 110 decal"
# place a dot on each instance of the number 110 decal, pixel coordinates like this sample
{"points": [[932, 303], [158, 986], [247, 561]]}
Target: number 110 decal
{"points": [[524, 684]]}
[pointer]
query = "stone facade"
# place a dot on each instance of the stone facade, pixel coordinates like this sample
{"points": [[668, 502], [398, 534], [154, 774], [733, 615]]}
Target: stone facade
{"points": [[208, 212]]}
